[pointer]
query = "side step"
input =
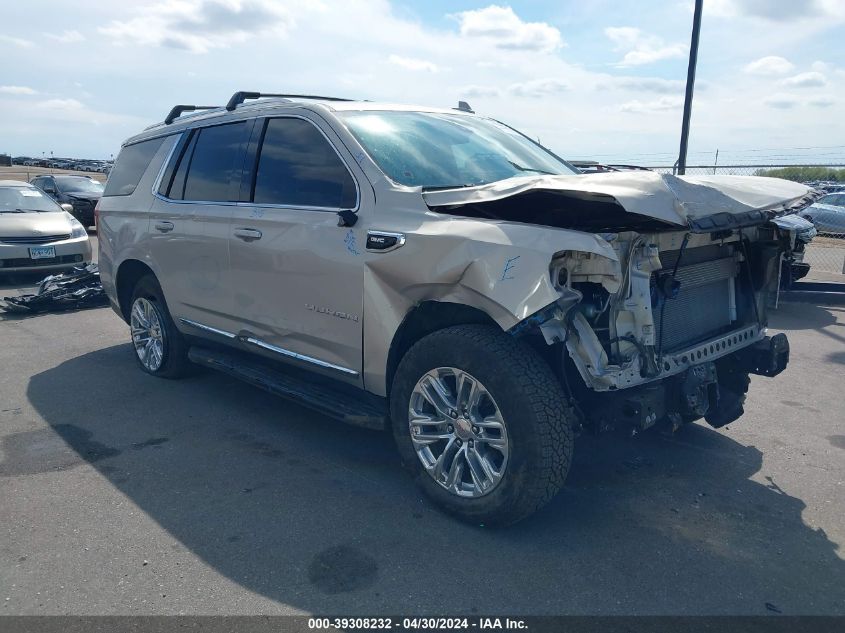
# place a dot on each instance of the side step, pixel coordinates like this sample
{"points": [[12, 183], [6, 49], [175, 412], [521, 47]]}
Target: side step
{"points": [[332, 398]]}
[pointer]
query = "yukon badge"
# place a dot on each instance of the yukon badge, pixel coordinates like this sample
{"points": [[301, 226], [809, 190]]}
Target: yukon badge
{"points": [[330, 312]]}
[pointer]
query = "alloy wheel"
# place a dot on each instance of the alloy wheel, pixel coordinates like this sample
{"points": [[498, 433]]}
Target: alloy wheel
{"points": [[458, 432], [147, 334]]}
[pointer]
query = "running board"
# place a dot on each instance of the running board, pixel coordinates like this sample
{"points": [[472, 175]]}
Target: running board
{"points": [[332, 398]]}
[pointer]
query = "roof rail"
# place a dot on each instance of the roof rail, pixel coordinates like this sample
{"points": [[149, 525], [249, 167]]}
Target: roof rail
{"points": [[177, 110], [241, 96]]}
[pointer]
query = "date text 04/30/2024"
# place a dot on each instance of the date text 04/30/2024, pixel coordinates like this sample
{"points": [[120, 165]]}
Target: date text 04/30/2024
{"points": [[412, 624]]}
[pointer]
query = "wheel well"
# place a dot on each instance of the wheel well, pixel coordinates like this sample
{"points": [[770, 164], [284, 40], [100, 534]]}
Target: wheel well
{"points": [[425, 318], [127, 276]]}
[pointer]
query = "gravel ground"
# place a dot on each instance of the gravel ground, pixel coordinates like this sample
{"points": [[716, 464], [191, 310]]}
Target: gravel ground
{"points": [[126, 494]]}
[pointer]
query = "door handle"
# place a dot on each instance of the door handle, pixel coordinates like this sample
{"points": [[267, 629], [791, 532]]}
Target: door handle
{"points": [[164, 227], [248, 235], [384, 241]]}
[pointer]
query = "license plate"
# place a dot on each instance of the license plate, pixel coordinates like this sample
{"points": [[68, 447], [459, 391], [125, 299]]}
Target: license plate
{"points": [[42, 252]]}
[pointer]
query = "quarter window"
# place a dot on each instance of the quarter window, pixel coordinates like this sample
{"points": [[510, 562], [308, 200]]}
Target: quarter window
{"points": [[130, 166], [298, 167]]}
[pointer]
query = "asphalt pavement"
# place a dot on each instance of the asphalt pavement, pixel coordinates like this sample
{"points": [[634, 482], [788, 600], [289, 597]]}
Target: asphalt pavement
{"points": [[125, 494]]}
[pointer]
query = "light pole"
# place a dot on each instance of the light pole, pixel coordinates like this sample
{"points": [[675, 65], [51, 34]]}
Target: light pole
{"points": [[693, 60]]}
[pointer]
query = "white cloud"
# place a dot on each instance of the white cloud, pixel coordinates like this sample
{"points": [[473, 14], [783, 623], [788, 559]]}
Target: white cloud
{"points": [[474, 90], [821, 102], [16, 41], [775, 10], [769, 65], [781, 101], [661, 104], [646, 84], [805, 80], [505, 29], [60, 105], [411, 63], [538, 88], [641, 48], [201, 25], [17, 90], [67, 37]]}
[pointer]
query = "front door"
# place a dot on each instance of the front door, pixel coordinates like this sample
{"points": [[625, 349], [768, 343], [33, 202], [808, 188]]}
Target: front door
{"points": [[297, 277]]}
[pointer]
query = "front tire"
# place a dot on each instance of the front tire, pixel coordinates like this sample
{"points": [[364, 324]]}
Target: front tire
{"points": [[482, 424], [160, 348]]}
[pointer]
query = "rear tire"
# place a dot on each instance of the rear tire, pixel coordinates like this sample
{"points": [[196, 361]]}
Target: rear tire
{"points": [[159, 347], [499, 459]]}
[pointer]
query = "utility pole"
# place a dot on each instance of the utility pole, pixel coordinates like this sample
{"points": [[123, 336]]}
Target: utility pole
{"points": [[693, 60]]}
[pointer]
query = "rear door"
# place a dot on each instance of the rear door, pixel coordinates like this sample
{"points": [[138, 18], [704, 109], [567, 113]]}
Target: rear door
{"points": [[297, 276], [189, 224]]}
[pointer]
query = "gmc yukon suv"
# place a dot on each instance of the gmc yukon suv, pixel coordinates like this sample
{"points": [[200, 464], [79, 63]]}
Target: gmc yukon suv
{"points": [[439, 274]]}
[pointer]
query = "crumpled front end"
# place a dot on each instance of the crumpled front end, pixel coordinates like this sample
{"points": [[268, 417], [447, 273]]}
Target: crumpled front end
{"points": [[668, 328]]}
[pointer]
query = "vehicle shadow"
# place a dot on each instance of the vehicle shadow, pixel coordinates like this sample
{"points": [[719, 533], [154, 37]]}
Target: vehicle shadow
{"points": [[23, 282], [317, 515]]}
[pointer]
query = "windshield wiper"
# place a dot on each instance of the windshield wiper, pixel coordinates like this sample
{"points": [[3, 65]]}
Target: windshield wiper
{"points": [[12, 211], [444, 187], [539, 171]]}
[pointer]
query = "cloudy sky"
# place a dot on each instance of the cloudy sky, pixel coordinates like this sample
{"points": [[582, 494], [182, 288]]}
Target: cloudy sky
{"points": [[590, 78]]}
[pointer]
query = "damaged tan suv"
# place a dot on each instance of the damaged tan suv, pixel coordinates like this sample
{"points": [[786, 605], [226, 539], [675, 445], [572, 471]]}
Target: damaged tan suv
{"points": [[438, 273]]}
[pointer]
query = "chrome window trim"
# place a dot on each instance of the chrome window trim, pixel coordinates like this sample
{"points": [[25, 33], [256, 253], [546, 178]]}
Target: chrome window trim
{"points": [[207, 328], [297, 356], [230, 203]]}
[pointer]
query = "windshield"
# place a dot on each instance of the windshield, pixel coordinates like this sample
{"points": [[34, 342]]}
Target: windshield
{"points": [[448, 150], [21, 199], [78, 183]]}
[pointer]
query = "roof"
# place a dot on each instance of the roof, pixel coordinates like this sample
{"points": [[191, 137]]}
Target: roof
{"points": [[15, 183], [272, 104]]}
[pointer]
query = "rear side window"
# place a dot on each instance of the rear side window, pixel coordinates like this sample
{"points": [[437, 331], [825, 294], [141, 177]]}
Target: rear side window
{"points": [[130, 165], [298, 167], [208, 165]]}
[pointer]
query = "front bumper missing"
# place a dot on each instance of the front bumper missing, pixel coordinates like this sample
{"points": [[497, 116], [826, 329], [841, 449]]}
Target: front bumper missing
{"points": [[613, 377], [712, 390]]}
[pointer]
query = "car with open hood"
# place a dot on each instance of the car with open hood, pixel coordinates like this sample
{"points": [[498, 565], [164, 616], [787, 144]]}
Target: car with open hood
{"points": [[36, 233], [439, 274]]}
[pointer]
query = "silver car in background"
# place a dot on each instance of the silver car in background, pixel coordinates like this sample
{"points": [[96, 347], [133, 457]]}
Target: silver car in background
{"points": [[36, 233], [828, 214]]}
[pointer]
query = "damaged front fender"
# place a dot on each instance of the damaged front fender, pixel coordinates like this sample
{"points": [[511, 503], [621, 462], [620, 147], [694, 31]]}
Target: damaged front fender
{"points": [[505, 270]]}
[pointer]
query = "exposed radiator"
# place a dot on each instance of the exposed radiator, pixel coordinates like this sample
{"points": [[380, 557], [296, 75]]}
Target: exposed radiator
{"points": [[703, 307]]}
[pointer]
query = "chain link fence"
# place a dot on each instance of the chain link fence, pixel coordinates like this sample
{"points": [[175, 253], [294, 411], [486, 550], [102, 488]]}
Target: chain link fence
{"points": [[826, 253]]}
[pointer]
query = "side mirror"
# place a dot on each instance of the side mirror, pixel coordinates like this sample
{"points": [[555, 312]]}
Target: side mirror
{"points": [[67, 207], [49, 190]]}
